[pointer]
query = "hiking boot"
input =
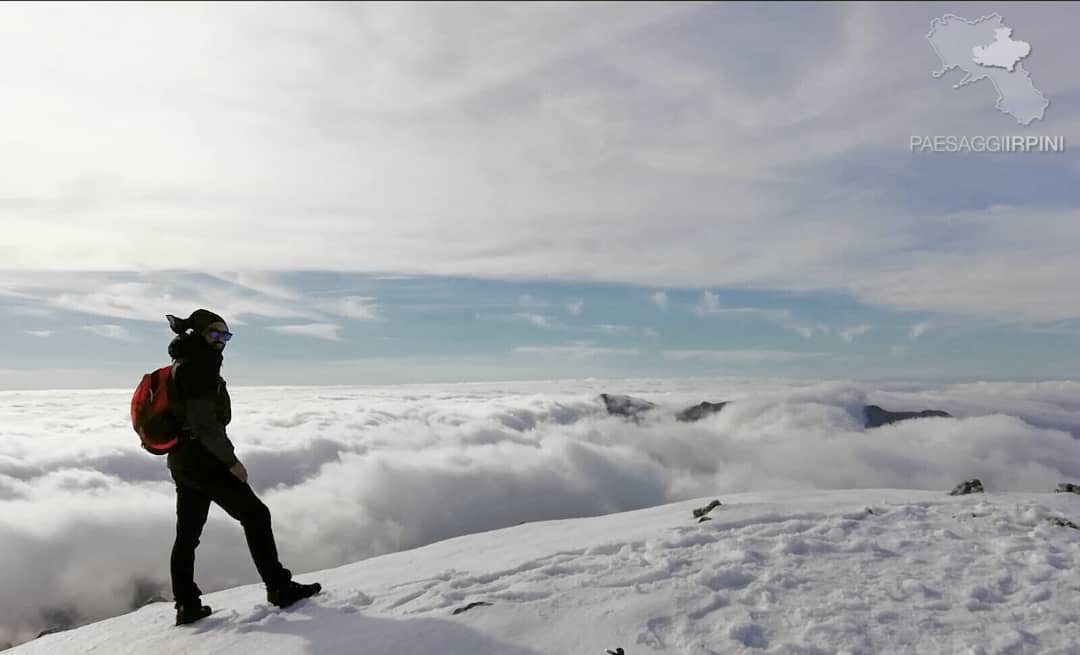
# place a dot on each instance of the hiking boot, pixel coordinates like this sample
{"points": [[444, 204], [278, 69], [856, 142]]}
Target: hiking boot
{"points": [[186, 614], [292, 592]]}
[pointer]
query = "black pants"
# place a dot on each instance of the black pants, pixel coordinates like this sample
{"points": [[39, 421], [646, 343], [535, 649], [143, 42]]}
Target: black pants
{"points": [[201, 478]]}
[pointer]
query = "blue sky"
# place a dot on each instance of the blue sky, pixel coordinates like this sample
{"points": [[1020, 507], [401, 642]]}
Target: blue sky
{"points": [[333, 328], [428, 193]]}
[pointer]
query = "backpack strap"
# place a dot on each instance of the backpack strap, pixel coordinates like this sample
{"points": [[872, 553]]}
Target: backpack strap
{"points": [[172, 377], [176, 396]]}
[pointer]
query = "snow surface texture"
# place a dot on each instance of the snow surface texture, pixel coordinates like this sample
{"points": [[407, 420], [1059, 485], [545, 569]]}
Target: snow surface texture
{"points": [[795, 572], [87, 517]]}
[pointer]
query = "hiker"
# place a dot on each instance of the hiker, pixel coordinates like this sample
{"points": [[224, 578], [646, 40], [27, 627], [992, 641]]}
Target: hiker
{"points": [[206, 469]]}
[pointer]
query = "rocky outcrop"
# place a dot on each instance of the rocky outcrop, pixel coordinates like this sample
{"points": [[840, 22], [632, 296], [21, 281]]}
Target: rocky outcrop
{"points": [[877, 417], [468, 607], [973, 486], [699, 411], [701, 512], [1068, 488], [628, 406], [635, 408]]}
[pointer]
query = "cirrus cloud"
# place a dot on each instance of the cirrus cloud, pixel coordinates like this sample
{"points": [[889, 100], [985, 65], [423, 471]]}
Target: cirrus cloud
{"points": [[109, 331], [326, 331]]}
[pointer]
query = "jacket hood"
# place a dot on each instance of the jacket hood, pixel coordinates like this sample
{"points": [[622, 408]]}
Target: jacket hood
{"points": [[199, 320]]}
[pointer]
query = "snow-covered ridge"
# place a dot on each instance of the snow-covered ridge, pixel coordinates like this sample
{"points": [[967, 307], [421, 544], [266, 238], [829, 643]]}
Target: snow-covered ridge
{"points": [[857, 571]]}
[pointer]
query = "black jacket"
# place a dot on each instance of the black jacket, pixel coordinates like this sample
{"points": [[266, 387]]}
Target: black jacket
{"points": [[204, 399]]}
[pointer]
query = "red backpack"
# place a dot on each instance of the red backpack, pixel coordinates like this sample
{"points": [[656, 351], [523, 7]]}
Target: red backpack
{"points": [[154, 411]]}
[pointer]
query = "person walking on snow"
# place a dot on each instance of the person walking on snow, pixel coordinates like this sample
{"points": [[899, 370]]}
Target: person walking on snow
{"points": [[205, 468]]}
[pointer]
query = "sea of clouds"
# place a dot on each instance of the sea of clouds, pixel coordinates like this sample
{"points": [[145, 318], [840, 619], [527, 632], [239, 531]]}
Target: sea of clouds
{"points": [[87, 517]]}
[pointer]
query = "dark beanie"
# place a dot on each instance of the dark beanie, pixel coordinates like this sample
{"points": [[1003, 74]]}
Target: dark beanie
{"points": [[197, 322]]}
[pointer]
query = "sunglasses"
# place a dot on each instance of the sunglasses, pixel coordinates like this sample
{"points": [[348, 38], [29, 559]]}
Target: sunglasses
{"points": [[218, 334]]}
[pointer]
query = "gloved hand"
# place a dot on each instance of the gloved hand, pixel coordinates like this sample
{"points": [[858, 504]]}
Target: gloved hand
{"points": [[239, 471]]}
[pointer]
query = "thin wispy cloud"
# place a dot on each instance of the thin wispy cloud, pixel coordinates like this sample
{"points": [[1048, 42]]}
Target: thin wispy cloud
{"points": [[575, 308], [8, 290], [741, 356], [109, 331], [260, 283], [614, 330], [710, 305], [617, 330], [805, 330], [360, 308], [164, 294], [537, 320], [326, 331], [579, 350], [33, 311], [850, 333], [528, 300], [660, 299], [137, 301], [238, 297], [39, 333], [1071, 328], [918, 330]]}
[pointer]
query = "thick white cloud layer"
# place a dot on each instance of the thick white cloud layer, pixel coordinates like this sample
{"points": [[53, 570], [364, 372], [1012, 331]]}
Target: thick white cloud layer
{"points": [[86, 517]]}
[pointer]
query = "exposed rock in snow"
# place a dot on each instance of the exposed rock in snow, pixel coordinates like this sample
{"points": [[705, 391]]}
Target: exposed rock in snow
{"points": [[973, 486], [700, 512], [1063, 522], [468, 607]]}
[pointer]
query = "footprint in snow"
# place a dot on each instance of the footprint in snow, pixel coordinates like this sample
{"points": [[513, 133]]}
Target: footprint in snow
{"points": [[749, 634], [258, 613], [355, 602]]}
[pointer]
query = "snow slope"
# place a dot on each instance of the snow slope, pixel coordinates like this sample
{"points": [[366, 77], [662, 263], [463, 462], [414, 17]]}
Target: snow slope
{"points": [[854, 571]]}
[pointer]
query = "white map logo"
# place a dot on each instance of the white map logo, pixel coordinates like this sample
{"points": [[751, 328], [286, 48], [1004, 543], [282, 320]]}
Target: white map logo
{"points": [[986, 49]]}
